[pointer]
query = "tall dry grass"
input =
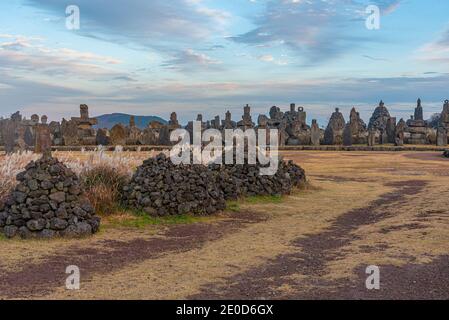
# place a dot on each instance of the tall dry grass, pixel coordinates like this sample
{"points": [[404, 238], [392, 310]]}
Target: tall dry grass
{"points": [[10, 166], [123, 162], [103, 173]]}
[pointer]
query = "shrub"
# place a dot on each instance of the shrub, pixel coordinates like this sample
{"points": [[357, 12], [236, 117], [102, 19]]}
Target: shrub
{"points": [[103, 186]]}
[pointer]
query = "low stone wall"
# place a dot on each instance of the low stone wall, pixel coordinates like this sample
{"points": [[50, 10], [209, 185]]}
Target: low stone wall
{"points": [[161, 188]]}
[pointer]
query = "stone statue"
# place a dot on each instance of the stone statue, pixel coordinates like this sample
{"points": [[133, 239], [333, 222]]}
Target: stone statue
{"points": [[419, 111]]}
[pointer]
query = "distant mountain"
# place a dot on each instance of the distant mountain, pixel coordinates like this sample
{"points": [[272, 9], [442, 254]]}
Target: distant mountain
{"points": [[110, 120]]}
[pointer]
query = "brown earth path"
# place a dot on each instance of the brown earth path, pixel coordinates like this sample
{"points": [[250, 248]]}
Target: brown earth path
{"points": [[41, 278], [315, 251], [362, 209]]}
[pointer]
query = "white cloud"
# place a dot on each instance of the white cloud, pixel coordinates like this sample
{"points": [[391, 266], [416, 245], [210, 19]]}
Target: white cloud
{"points": [[313, 30], [435, 51], [189, 60], [144, 22]]}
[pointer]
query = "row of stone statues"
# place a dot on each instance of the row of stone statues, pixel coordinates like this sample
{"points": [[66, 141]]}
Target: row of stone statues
{"points": [[384, 129], [17, 133]]}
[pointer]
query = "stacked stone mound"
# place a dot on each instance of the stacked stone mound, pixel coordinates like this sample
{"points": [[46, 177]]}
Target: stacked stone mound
{"points": [[161, 188], [245, 180], [48, 202], [446, 153]]}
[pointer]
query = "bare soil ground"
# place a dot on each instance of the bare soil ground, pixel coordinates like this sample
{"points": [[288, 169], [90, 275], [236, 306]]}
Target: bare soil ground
{"points": [[360, 209]]}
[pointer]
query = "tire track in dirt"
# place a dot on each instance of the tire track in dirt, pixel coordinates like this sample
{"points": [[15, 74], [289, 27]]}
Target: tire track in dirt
{"points": [[315, 251], [39, 279], [428, 281]]}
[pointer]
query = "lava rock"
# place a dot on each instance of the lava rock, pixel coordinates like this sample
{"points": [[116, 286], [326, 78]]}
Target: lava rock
{"points": [[48, 202], [161, 188], [10, 231]]}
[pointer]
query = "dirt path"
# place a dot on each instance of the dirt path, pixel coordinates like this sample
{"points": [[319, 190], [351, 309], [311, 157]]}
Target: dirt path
{"points": [[35, 280], [317, 250]]}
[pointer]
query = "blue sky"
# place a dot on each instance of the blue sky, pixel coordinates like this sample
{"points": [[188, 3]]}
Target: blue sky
{"points": [[208, 56]]}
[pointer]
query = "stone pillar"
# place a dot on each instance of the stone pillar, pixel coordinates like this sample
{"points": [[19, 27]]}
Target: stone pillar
{"points": [[391, 130], [43, 138], [347, 135], [399, 133], [315, 133], [371, 138], [441, 137], [132, 122], [302, 117]]}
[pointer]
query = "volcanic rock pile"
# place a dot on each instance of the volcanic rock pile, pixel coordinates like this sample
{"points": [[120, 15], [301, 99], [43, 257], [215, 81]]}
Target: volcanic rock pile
{"points": [[48, 202], [161, 188], [245, 180]]}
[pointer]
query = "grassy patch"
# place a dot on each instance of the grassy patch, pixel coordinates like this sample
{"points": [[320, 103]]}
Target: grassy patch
{"points": [[233, 206], [141, 220], [2, 237], [263, 199]]}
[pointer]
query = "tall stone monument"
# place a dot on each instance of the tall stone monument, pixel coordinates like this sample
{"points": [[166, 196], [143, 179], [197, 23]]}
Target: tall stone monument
{"points": [[246, 122], [357, 127], [315, 133], [441, 137], [417, 127], [86, 133], [43, 138], [334, 131]]}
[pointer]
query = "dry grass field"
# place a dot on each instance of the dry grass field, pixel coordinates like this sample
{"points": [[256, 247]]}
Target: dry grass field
{"points": [[359, 209]]}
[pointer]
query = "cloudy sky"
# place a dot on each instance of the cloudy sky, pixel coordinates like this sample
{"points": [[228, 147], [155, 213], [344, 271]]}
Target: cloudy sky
{"points": [[151, 57]]}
